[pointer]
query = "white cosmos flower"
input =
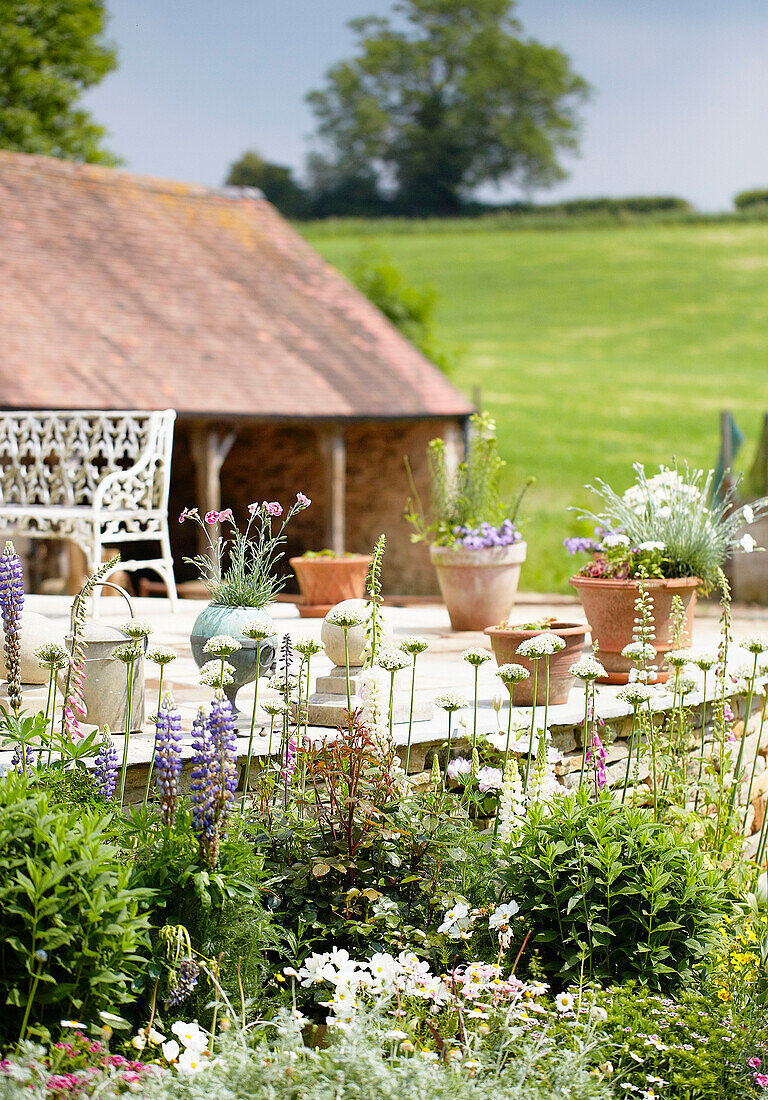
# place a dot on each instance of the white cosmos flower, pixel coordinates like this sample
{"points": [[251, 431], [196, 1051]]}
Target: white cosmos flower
{"points": [[457, 913], [502, 915], [191, 1036], [192, 1060]]}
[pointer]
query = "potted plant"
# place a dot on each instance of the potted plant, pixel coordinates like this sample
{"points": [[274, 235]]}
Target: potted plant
{"points": [[326, 579], [507, 637], [240, 573], [671, 532], [474, 543]]}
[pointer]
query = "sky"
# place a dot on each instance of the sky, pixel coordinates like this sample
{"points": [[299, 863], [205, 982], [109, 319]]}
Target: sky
{"points": [[680, 100]]}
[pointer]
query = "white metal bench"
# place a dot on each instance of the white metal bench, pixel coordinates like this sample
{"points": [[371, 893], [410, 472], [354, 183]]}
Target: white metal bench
{"points": [[97, 478]]}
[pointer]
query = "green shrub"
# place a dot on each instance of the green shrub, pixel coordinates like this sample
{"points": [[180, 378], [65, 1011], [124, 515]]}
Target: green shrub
{"points": [[219, 908], [411, 309], [362, 868], [71, 787], [72, 936], [604, 886], [746, 200]]}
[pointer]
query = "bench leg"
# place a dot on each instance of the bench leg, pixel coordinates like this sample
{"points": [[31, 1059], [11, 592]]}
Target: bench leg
{"points": [[167, 570]]}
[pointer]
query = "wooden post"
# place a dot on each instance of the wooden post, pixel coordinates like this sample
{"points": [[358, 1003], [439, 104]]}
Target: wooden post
{"points": [[336, 465], [210, 447]]}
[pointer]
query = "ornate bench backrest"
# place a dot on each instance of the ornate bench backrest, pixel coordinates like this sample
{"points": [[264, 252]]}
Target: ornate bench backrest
{"points": [[59, 458]]}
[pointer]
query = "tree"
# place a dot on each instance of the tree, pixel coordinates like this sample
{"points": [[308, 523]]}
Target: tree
{"points": [[453, 99], [277, 183], [50, 52]]}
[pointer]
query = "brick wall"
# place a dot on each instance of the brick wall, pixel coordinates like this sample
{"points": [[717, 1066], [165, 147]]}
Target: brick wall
{"points": [[274, 461]]}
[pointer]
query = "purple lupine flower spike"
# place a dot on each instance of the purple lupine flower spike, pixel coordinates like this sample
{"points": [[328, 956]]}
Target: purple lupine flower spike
{"points": [[105, 766], [214, 775], [168, 758], [203, 764], [224, 737], [23, 759], [186, 981], [11, 604]]}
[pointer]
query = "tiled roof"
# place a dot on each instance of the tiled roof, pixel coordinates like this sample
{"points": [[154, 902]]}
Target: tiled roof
{"points": [[120, 291]]}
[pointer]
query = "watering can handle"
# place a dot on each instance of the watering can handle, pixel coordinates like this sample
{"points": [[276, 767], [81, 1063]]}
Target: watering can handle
{"points": [[117, 588]]}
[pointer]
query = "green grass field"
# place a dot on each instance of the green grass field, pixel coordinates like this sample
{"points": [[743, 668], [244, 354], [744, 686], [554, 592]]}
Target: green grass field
{"points": [[593, 347]]}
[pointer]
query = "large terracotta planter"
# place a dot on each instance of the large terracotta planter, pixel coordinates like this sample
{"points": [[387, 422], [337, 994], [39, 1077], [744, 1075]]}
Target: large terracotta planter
{"points": [[478, 586], [504, 642], [326, 581], [609, 605]]}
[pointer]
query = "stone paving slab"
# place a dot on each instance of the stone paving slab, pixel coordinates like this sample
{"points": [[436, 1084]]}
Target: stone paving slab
{"points": [[438, 669]]}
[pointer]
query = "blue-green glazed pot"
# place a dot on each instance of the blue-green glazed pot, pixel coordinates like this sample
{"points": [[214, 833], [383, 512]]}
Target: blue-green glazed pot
{"points": [[220, 619]]}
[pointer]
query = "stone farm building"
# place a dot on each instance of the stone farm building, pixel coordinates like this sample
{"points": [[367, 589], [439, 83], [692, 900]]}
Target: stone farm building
{"points": [[120, 291]]}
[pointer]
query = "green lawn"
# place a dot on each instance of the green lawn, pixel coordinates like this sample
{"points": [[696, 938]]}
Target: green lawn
{"points": [[593, 348]]}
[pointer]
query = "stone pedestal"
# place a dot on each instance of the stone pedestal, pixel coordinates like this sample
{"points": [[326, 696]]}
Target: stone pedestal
{"points": [[328, 705]]}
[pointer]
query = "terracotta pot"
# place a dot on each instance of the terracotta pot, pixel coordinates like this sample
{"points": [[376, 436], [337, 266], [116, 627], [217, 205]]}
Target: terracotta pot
{"points": [[324, 582], [504, 643], [478, 586], [610, 607]]}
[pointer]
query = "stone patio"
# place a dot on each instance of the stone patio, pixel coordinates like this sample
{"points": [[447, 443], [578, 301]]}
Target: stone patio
{"points": [[439, 669]]}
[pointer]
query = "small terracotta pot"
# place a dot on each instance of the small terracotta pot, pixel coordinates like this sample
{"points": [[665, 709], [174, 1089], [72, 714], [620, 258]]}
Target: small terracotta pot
{"points": [[504, 642], [610, 607], [478, 586], [324, 582]]}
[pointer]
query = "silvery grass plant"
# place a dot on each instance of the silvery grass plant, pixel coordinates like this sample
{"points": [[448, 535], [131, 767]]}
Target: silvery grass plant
{"points": [[685, 512], [271, 1062]]}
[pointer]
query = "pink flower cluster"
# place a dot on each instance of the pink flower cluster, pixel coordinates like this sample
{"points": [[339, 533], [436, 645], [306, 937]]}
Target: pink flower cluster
{"points": [[760, 1079], [268, 507], [73, 1083]]}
